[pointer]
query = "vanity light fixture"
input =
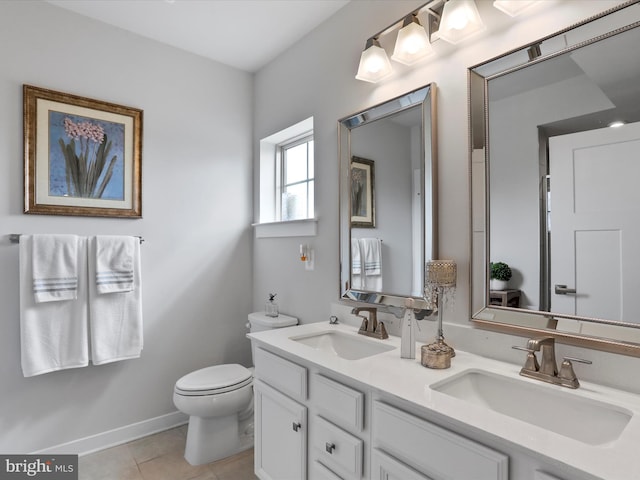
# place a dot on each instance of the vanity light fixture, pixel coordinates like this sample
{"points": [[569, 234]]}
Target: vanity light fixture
{"points": [[451, 20], [374, 63], [460, 20], [513, 8], [412, 44], [616, 124]]}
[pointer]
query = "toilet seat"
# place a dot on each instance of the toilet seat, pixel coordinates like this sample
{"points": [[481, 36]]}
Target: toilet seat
{"points": [[214, 380]]}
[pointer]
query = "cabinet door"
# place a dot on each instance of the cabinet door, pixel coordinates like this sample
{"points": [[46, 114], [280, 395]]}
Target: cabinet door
{"points": [[280, 435], [384, 467], [428, 448]]}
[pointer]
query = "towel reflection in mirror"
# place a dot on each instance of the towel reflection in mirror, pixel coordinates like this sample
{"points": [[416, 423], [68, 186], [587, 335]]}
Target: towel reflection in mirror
{"points": [[366, 264]]}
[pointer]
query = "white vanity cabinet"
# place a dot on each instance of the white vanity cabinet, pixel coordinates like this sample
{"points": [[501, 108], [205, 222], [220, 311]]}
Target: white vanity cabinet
{"points": [[316, 422], [281, 424], [385, 417]]}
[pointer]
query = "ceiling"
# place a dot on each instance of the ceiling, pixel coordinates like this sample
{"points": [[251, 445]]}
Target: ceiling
{"points": [[245, 34]]}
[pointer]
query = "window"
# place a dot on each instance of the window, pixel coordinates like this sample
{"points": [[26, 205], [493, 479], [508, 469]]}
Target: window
{"points": [[287, 183], [296, 178]]}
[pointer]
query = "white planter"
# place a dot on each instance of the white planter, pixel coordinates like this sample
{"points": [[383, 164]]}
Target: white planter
{"points": [[496, 284]]}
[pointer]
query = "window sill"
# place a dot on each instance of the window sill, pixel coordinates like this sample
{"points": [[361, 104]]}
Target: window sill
{"points": [[293, 228]]}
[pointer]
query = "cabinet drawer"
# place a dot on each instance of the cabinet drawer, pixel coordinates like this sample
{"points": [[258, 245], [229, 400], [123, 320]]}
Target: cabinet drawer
{"points": [[288, 377], [336, 448], [340, 404], [538, 475], [319, 471], [384, 467], [434, 451]]}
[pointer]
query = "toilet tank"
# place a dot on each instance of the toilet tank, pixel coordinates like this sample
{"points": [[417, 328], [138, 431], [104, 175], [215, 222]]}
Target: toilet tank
{"points": [[259, 321]]}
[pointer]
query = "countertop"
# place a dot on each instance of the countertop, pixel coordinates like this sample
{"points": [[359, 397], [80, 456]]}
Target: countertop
{"points": [[409, 380]]}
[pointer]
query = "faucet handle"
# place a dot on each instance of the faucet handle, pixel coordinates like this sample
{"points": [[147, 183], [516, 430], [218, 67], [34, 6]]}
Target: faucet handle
{"points": [[524, 349], [567, 375], [364, 324], [574, 359], [531, 364], [381, 331]]}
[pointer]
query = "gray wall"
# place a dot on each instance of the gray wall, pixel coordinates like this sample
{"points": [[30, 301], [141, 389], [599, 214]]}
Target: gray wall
{"points": [[515, 174], [196, 260], [389, 146], [316, 78]]}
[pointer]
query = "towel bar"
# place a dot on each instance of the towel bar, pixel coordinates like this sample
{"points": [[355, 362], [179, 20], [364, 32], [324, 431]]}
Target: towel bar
{"points": [[15, 238]]}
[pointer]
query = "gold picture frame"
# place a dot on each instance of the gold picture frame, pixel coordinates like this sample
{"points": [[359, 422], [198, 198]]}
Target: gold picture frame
{"points": [[363, 208], [81, 156]]}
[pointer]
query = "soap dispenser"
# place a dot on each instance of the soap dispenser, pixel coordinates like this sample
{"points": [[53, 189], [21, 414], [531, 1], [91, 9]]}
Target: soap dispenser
{"points": [[408, 331], [271, 307]]}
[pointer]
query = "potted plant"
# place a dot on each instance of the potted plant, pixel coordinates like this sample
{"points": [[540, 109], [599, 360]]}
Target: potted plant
{"points": [[500, 274]]}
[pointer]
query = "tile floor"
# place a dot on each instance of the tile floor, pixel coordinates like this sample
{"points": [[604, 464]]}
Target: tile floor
{"points": [[160, 457]]}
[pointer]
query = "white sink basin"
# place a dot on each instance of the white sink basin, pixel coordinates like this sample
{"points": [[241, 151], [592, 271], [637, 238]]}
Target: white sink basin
{"points": [[344, 345], [546, 406]]}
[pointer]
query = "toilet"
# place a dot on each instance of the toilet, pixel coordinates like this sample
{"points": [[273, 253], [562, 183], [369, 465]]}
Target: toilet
{"points": [[219, 402]]}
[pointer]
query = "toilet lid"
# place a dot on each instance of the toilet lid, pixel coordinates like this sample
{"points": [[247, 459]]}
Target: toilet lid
{"points": [[212, 380]]}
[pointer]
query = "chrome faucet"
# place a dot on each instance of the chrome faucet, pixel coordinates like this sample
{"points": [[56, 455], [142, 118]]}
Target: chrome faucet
{"points": [[370, 326], [547, 369]]}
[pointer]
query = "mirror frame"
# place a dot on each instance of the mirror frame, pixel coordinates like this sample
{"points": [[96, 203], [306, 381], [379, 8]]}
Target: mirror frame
{"points": [[425, 98], [509, 319]]}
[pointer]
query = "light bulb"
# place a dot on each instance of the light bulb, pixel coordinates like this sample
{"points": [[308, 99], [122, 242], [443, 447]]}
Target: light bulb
{"points": [[374, 63], [412, 44], [460, 20]]}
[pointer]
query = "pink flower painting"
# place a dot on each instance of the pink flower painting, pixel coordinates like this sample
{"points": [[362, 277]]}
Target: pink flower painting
{"points": [[86, 149]]}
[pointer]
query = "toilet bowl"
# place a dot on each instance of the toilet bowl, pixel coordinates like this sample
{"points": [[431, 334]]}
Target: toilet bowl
{"points": [[219, 402]]}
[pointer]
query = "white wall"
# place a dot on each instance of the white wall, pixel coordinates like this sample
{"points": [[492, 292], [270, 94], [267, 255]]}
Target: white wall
{"points": [[196, 260], [316, 77]]}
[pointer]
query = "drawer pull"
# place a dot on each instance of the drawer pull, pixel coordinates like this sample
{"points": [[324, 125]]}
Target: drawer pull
{"points": [[296, 426], [330, 447]]}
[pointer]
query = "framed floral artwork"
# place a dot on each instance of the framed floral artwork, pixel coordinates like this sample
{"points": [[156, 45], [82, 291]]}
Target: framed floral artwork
{"points": [[362, 193], [81, 156]]}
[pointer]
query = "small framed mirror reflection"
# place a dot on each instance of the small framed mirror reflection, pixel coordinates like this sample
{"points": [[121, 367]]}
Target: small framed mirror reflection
{"points": [[554, 184], [388, 199]]}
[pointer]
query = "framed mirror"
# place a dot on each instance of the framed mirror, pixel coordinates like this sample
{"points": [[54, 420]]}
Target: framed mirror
{"points": [[388, 199], [555, 136]]}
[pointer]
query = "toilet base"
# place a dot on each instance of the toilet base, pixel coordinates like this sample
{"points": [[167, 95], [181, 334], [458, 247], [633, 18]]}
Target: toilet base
{"points": [[211, 439]]}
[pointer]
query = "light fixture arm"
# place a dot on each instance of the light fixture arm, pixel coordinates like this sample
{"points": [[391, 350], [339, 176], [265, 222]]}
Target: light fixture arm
{"points": [[430, 8]]}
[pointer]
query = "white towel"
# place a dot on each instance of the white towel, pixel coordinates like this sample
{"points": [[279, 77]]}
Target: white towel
{"points": [[372, 252], [115, 318], [356, 265], [53, 335], [114, 263], [372, 259], [54, 259]]}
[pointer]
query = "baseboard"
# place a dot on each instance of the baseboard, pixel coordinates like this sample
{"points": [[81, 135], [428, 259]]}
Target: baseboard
{"points": [[118, 436]]}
